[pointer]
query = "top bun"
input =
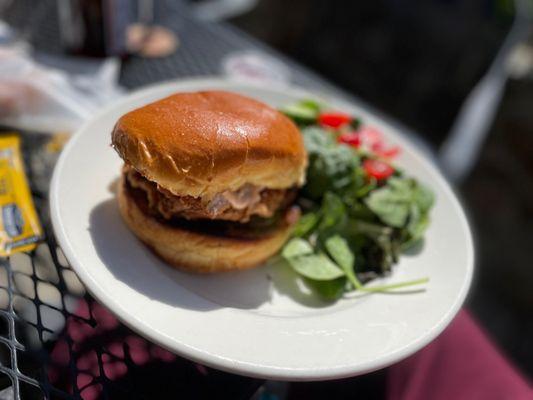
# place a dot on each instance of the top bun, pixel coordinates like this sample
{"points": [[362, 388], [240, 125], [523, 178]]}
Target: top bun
{"points": [[203, 143]]}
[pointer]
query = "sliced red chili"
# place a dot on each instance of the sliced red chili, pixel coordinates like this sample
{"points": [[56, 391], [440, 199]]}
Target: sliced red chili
{"points": [[350, 138], [334, 119], [377, 169]]}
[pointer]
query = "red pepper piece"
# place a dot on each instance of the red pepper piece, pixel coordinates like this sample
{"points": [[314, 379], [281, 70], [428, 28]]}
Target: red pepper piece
{"points": [[391, 152], [370, 137], [377, 169], [350, 138], [334, 119]]}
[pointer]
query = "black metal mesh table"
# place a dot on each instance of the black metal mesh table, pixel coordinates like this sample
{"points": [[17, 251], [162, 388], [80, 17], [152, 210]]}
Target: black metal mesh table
{"points": [[55, 340]]}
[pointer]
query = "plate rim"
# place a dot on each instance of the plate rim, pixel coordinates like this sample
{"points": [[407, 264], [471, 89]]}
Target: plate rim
{"points": [[242, 367]]}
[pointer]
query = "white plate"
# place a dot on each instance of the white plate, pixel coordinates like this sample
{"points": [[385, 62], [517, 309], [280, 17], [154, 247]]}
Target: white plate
{"points": [[258, 322]]}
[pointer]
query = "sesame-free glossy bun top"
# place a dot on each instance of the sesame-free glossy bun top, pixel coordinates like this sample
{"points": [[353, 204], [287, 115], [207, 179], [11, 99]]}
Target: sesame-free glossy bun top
{"points": [[203, 143]]}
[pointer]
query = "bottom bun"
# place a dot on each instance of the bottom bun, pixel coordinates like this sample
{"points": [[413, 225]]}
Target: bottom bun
{"points": [[195, 251]]}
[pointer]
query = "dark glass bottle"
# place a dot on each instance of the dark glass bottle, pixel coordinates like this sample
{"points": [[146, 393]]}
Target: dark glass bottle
{"points": [[94, 28]]}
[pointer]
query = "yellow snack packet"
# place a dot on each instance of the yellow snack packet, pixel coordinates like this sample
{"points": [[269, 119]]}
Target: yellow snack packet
{"points": [[20, 229]]}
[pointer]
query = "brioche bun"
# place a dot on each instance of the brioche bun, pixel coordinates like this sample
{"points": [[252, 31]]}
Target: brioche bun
{"points": [[203, 143], [194, 251]]}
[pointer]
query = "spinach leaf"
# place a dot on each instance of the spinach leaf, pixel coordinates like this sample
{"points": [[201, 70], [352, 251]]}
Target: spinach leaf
{"points": [[423, 197], [315, 266], [332, 210], [296, 247], [402, 203], [331, 166], [306, 224], [369, 229], [339, 250], [417, 225], [328, 290], [392, 202]]}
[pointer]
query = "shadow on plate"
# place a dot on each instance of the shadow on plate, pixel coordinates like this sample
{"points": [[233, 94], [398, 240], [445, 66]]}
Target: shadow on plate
{"points": [[131, 262], [289, 283]]}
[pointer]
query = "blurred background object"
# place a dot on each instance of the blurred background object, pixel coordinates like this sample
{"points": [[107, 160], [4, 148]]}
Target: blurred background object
{"points": [[457, 74], [459, 152], [104, 28], [48, 94], [95, 28], [216, 10]]}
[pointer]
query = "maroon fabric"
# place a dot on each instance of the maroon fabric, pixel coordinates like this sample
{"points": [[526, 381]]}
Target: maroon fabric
{"points": [[462, 363]]}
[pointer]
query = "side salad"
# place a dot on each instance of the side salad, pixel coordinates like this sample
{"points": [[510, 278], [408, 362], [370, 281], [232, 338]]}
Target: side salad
{"points": [[359, 210]]}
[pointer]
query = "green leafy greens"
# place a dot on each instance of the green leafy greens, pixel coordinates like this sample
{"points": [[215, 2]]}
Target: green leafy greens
{"points": [[353, 226], [331, 167]]}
